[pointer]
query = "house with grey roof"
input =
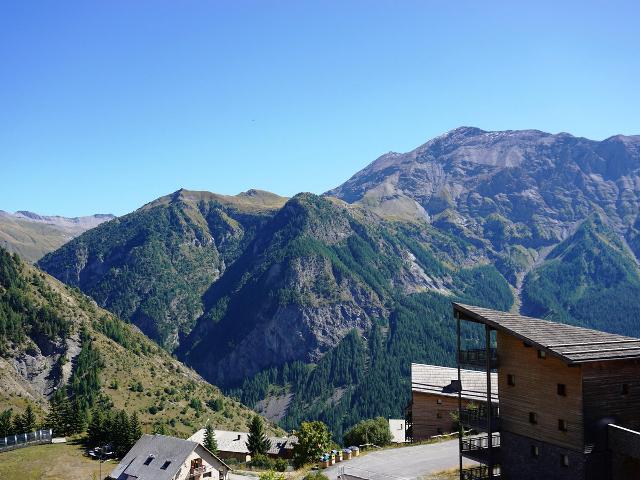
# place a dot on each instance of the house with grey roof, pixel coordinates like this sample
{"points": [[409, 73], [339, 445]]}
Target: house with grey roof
{"points": [[234, 444], [160, 457]]}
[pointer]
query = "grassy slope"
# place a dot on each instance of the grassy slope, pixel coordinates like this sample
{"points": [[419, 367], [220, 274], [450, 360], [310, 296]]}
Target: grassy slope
{"points": [[142, 362], [32, 240], [51, 462]]}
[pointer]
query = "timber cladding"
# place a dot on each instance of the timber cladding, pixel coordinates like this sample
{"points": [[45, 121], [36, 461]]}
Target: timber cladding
{"points": [[530, 403], [432, 418]]}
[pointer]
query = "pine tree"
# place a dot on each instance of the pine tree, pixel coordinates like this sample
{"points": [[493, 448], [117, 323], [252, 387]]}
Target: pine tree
{"points": [[210, 442], [6, 426], [257, 443], [78, 418], [96, 434], [26, 422], [120, 433], [135, 429], [59, 416]]}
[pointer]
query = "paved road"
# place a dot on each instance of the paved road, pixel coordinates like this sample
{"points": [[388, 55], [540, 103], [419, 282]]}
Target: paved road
{"points": [[405, 463]]}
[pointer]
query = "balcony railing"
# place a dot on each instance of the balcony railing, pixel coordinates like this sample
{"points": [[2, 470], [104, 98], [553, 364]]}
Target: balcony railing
{"points": [[477, 418], [197, 471], [471, 444], [479, 473], [478, 357]]}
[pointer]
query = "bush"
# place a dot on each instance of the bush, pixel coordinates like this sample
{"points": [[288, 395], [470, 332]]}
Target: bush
{"points": [[261, 461], [271, 475], [317, 475], [281, 465], [375, 431]]}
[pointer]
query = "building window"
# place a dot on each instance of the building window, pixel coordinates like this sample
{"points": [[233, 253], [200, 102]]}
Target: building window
{"points": [[562, 389], [535, 451], [165, 465], [438, 414], [439, 401], [511, 380], [526, 344], [207, 475], [562, 425], [565, 460], [533, 418], [625, 389], [439, 431], [149, 460], [542, 354]]}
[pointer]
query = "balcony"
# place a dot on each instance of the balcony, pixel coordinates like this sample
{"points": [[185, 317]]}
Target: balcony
{"points": [[197, 471], [479, 473], [477, 358], [477, 448], [477, 418]]}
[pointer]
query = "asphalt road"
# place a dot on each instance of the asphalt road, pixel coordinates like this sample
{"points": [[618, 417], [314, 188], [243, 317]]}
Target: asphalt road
{"points": [[401, 463]]}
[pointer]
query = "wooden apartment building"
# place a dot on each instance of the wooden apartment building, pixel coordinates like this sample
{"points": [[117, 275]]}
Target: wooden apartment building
{"points": [[434, 398], [569, 400]]}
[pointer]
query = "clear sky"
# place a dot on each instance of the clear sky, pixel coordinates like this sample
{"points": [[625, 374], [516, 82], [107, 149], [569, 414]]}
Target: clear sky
{"points": [[107, 105]]}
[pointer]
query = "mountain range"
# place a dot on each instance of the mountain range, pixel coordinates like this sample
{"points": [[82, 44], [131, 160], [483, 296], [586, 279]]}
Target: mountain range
{"points": [[32, 235], [315, 306]]}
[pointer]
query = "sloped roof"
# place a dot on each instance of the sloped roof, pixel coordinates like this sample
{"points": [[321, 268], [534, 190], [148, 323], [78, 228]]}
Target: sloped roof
{"points": [[162, 448], [438, 380], [570, 343], [236, 442]]}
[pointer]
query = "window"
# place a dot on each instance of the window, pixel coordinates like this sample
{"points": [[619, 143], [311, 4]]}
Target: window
{"points": [[439, 431], [149, 460], [565, 460], [625, 389], [562, 389], [511, 380], [526, 344], [438, 414], [535, 451], [165, 465], [439, 401], [542, 354], [533, 418], [207, 475], [562, 425]]}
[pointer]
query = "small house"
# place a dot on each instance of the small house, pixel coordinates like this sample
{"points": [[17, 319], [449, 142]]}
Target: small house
{"points": [[160, 457]]}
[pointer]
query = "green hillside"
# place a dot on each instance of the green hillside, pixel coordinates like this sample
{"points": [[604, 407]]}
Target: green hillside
{"points": [[53, 337], [152, 266], [590, 279]]}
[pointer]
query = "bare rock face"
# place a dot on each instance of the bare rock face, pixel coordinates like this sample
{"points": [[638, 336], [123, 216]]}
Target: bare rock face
{"points": [[547, 182]]}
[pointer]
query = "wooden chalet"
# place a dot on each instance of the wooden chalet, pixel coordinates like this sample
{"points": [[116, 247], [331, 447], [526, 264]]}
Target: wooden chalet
{"points": [[434, 398], [569, 400]]}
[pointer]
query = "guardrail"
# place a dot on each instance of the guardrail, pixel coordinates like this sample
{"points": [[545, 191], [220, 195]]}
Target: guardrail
{"points": [[36, 437]]}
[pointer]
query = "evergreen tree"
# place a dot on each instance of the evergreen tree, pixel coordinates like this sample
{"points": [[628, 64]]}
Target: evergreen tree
{"points": [[6, 426], [120, 433], [59, 417], [210, 442], [96, 432], [26, 422], [257, 442], [135, 429], [78, 418]]}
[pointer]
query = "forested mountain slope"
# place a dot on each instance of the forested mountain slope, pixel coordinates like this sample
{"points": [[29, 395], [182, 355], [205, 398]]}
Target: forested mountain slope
{"points": [[54, 338], [316, 306], [152, 266]]}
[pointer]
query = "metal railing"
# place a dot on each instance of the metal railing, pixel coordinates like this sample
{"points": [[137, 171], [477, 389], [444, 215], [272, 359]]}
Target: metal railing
{"points": [[471, 444], [479, 473], [23, 439], [477, 417], [194, 472], [477, 357]]}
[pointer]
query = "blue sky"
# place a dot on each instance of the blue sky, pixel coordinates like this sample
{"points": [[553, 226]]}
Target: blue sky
{"points": [[107, 105]]}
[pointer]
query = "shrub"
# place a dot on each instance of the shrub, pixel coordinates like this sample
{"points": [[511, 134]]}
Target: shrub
{"points": [[280, 465], [261, 461], [315, 476], [375, 431]]}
